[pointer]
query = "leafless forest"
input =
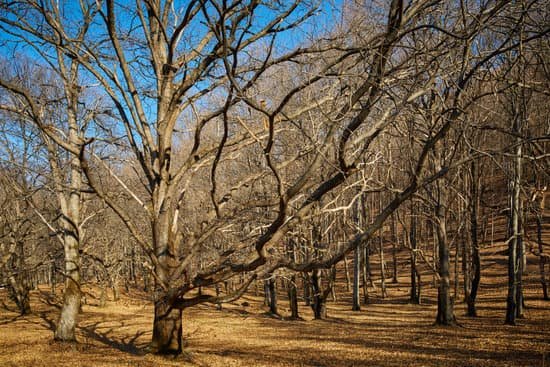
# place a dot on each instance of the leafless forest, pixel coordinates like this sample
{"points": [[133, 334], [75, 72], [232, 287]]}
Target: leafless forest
{"points": [[278, 183]]}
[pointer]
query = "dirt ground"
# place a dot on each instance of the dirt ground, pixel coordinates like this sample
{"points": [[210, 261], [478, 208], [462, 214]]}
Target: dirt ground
{"points": [[387, 332]]}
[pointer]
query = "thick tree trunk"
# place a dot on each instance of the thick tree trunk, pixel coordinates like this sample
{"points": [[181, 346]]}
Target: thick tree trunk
{"points": [[445, 313], [17, 281], [319, 298], [167, 330], [293, 298], [19, 292], [66, 325], [272, 291]]}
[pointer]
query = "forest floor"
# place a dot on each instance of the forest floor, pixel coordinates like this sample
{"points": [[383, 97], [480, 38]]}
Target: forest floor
{"points": [[386, 332]]}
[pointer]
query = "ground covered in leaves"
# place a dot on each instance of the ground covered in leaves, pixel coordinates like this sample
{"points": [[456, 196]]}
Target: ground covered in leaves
{"points": [[387, 332]]}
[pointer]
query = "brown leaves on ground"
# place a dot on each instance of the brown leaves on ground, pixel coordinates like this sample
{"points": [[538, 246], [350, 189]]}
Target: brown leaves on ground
{"points": [[387, 332]]}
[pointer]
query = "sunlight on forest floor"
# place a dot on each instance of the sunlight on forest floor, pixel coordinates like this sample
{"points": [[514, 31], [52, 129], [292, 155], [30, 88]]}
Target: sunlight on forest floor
{"points": [[387, 332]]}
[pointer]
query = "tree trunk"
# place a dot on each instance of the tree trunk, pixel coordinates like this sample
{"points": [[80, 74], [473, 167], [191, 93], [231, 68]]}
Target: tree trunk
{"points": [[272, 290], [307, 289], [167, 330], [519, 275], [514, 242], [218, 291], [319, 298], [381, 254], [17, 283], [445, 314], [475, 264], [542, 258], [346, 269], [456, 272], [356, 278], [70, 208], [382, 267], [65, 330], [293, 298], [414, 293], [395, 240], [366, 272], [52, 278], [19, 292], [103, 296]]}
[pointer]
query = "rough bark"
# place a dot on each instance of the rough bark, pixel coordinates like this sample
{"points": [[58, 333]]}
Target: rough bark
{"points": [[293, 298], [167, 329], [19, 293], [319, 304], [445, 312], [272, 292], [66, 325], [17, 283]]}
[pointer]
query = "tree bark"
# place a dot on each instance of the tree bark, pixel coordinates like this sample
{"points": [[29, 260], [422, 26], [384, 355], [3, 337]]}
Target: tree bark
{"points": [[382, 267], [348, 278], [66, 325], [475, 263], [272, 291], [356, 278], [366, 272], [515, 241], [293, 298], [17, 283], [445, 313], [542, 258], [414, 292], [395, 240], [319, 298], [167, 330]]}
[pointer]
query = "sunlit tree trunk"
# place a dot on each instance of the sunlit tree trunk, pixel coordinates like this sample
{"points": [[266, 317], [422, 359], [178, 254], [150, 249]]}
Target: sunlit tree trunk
{"points": [[66, 325], [445, 313]]}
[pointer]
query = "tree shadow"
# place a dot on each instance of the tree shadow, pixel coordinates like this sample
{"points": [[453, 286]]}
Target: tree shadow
{"points": [[49, 299], [50, 323], [127, 344], [11, 319]]}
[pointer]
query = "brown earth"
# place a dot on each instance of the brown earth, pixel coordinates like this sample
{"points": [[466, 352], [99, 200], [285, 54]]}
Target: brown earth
{"points": [[387, 332]]}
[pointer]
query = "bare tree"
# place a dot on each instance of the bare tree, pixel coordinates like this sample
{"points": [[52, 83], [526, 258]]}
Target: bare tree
{"points": [[237, 138]]}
